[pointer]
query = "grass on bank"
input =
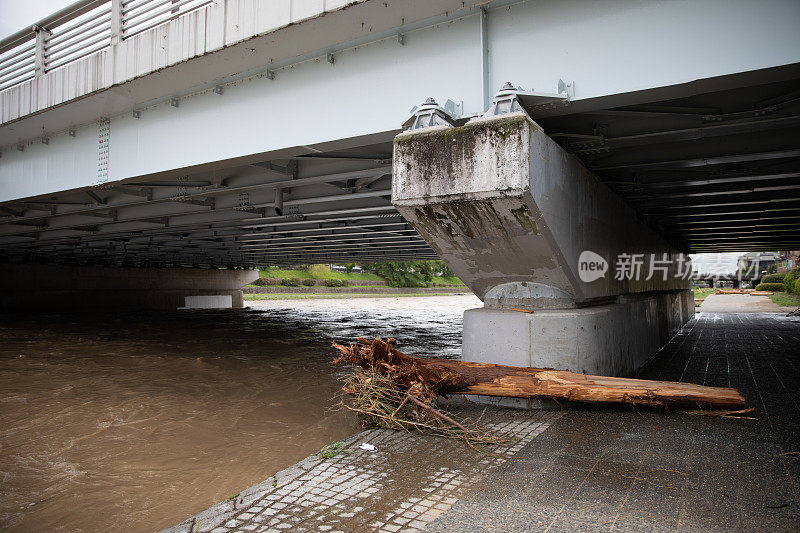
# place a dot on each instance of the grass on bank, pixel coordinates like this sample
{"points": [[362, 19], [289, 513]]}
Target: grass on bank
{"points": [[784, 299], [443, 281], [378, 288], [322, 272], [336, 296], [701, 293], [317, 273]]}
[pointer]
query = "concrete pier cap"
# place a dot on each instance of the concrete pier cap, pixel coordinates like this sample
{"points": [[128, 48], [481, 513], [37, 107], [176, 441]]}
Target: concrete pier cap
{"points": [[539, 239]]}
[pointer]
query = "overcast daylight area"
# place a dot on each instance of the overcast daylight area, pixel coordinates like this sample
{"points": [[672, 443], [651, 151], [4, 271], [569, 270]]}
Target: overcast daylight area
{"points": [[399, 266], [16, 15]]}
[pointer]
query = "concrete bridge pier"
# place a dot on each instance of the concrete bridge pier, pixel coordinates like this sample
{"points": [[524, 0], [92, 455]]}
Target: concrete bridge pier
{"points": [[37, 287], [538, 238]]}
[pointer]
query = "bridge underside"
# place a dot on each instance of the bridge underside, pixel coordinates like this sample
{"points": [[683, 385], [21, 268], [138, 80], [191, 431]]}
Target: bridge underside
{"points": [[712, 165], [715, 171], [319, 207]]}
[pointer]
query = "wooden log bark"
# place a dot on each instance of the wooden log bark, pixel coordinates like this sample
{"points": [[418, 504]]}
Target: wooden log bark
{"points": [[427, 378], [515, 382]]}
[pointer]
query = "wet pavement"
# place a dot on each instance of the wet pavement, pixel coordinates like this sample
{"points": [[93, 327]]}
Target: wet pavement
{"points": [[582, 468], [605, 468], [408, 481]]}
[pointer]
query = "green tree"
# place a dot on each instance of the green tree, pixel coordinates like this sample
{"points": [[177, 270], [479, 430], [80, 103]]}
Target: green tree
{"points": [[409, 273], [789, 279], [399, 273]]}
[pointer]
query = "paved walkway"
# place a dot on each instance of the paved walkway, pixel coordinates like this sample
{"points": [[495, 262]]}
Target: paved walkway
{"points": [[739, 303], [601, 468], [406, 483], [583, 468]]}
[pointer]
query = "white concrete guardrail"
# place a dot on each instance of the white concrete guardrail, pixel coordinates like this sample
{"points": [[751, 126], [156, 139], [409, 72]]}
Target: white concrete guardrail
{"points": [[81, 29]]}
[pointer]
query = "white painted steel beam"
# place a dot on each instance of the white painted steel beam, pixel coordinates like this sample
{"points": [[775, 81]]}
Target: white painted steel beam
{"points": [[252, 118], [270, 136]]}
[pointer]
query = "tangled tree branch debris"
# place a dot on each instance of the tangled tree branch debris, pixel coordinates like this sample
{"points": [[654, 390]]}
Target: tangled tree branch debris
{"points": [[380, 402], [421, 381]]}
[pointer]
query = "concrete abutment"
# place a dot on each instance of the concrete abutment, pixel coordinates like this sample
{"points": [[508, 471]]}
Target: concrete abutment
{"points": [[611, 340], [537, 236], [26, 287]]}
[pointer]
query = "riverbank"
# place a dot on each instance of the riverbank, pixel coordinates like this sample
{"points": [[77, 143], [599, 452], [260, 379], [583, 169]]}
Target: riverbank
{"points": [[340, 296], [321, 276], [420, 291], [403, 307], [580, 468]]}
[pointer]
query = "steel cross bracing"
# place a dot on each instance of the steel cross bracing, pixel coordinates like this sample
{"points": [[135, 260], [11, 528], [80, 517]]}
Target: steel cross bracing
{"points": [[266, 212]]}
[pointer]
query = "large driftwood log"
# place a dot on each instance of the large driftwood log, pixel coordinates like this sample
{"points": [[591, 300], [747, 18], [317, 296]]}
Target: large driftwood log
{"points": [[427, 378]]}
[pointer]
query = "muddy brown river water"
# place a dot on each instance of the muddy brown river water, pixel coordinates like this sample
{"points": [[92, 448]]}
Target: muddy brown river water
{"points": [[133, 422]]}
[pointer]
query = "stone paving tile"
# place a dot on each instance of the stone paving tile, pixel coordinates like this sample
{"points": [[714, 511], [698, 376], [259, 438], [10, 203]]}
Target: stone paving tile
{"points": [[410, 481], [605, 468]]}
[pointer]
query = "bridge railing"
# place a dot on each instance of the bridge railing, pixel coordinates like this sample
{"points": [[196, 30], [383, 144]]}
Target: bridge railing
{"points": [[141, 15], [79, 38], [18, 64], [79, 30]]}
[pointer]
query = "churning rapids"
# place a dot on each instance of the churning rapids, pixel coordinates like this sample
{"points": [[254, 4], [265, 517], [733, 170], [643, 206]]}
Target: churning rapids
{"points": [[133, 422]]}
